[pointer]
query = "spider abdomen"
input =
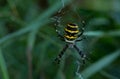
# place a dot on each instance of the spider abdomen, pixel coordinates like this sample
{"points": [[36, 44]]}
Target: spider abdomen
{"points": [[71, 32]]}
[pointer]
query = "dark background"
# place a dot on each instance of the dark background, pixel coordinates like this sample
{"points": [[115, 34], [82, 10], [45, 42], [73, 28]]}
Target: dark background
{"points": [[29, 43]]}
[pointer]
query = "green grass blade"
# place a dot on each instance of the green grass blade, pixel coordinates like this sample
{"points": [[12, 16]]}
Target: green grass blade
{"points": [[31, 41], [3, 67], [102, 63], [109, 76], [101, 33], [40, 21]]}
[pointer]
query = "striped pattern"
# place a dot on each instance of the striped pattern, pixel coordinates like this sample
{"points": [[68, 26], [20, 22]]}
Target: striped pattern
{"points": [[72, 25], [71, 32]]}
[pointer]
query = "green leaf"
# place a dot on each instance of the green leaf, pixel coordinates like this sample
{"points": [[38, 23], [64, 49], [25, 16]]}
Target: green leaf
{"points": [[3, 67], [101, 33], [36, 24], [102, 63]]}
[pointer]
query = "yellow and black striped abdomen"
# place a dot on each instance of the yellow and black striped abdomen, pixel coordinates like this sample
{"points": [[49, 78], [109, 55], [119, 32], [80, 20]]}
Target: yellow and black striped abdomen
{"points": [[71, 32]]}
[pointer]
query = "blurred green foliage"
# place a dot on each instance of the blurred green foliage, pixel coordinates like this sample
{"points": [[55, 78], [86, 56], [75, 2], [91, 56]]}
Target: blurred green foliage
{"points": [[29, 43]]}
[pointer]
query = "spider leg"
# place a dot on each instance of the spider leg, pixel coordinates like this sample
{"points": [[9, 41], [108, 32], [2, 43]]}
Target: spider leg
{"points": [[83, 56], [80, 39], [60, 35], [82, 29], [57, 20], [61, 54], [83, 22]]}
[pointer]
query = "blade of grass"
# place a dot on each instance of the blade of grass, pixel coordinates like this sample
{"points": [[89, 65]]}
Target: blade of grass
{"points": [[102, 63], [29, 28], [31, 41], [3, 66], [109, 76], [36, 24], [101, 33], [42, 53]]}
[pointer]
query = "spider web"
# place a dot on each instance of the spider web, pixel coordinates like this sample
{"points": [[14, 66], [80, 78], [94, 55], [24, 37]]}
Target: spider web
{"points": [[59, 25]]}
